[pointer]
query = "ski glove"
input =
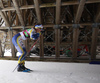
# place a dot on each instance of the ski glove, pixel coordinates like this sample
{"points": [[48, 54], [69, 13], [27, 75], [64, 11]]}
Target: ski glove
{"points": [[35, 36]]}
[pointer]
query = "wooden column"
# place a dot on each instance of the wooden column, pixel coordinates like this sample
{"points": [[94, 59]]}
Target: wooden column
{"points": [[26, 45], [95, 35], [79, 11], [9, 12], [10, 32], [75, 42], [57, 29], [1, 52], [58, 9], [94, 43], [38, 13], [57, 41], [76, 27], [12, 46], [37, 9], [41, 47]]}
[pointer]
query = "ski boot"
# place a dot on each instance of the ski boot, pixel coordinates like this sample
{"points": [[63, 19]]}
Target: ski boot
{"points": [[22, 68]]}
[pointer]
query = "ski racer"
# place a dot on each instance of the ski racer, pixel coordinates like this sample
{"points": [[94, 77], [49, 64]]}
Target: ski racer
{"points": [[17, 40]]}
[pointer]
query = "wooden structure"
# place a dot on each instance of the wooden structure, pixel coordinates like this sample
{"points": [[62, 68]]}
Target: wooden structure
{"points": [[67, 24]]}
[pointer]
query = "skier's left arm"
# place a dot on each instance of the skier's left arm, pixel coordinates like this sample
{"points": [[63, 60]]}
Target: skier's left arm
{"points": [[34, 35]]}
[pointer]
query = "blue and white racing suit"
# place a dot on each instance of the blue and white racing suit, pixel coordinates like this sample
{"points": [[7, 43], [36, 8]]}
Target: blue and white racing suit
{"points": [[19, 45]]}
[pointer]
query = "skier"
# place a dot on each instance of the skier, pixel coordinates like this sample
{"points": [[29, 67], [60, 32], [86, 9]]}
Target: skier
{"points": [[32, 33]]}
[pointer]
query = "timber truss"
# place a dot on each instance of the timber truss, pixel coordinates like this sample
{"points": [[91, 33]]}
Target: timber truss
{"points": [[68, 24]]}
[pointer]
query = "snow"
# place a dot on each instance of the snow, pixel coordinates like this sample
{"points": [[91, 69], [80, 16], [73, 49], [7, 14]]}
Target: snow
{"points": [[8, 52], [50, 72]]}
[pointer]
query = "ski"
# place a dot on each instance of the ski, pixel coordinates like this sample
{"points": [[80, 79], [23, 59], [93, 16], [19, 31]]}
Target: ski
{"points": [[26, 71]]}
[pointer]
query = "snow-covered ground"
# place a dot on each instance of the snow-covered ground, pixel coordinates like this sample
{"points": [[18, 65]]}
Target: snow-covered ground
{"points": [[50, 72]]}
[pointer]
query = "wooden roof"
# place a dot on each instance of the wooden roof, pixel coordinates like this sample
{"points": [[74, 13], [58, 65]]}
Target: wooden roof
{"points": [[25, 13]]}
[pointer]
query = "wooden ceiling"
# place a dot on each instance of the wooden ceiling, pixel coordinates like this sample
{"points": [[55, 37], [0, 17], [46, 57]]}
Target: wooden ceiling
{"points": [[17, 14]]}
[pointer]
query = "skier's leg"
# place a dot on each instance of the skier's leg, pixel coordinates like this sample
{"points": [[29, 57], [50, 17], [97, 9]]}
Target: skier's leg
{"points": [[17, 41], [22, 50]]}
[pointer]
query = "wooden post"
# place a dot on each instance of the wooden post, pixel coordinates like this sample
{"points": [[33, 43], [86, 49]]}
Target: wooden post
{"points": [[1, 53], [58, 9], [75, 42], [9, 13], [94, 43], [57, 41], [26, 44], [57, 29], [37, 9], [79, 11], [94, 35], [38, 13], [41, 47], [76, 29], [12, 46]]}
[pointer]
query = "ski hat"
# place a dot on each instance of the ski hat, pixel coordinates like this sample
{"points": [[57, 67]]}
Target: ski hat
{"points": [[38, 26]]}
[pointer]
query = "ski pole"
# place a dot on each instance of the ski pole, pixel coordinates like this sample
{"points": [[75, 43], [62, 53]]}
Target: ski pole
{"points": [[28, 51], [32, 46]]}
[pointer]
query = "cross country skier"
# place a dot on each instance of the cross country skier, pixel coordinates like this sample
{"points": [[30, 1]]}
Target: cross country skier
{"points": [[32, 33]]}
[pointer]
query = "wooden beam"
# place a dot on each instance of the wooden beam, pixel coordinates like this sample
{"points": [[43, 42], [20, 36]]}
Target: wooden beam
{"points": [[9, 13], [57, 42], [76, 30], [38, 13], [50, 5], [92, 1], [27, 15], [58, 9], [95, 37], [97, 18], [2, 5], [45, 26], [21, 8], [10, 32], [18, 12], [12, 46], [75, 42], [37, 9], [57, 30], [5, 19], [94, 43], [77, 2], [26, 45], [1, 52], [79, 11], [41, 46]]}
